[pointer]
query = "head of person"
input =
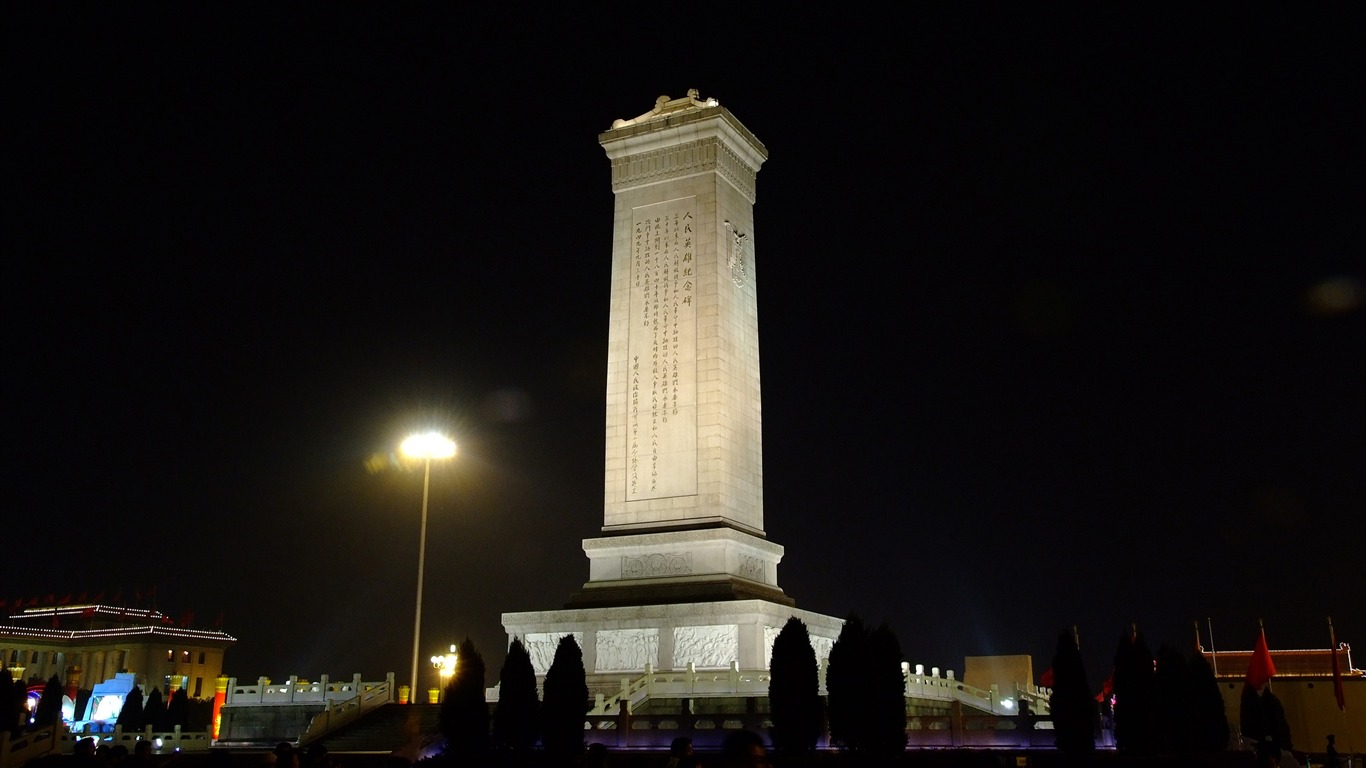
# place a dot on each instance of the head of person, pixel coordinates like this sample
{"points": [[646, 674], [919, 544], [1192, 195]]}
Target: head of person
{"points": [[743, 748]]}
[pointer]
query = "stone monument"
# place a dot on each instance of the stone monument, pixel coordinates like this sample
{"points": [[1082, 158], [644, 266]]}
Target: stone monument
{"points": [[683, 573]]}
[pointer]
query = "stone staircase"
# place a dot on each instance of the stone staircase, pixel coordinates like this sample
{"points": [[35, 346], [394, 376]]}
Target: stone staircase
{"points": [[386, 728]]}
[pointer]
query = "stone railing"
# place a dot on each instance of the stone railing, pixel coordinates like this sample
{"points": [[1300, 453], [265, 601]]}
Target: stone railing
{"points": [[692, 684], [707, 731], [296, 691], [935, 688], [17, 750], [340, 712], [163, 742], [686, 684]]}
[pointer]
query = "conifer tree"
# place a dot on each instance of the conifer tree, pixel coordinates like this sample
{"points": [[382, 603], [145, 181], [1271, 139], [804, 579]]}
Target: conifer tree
{"points": [[9, 715], [846, 685], [464, 717], [131, 715], [1209, 720], [886, 733], [794, 689], [515, 719], [1251, 718], [154, 711], [566, 700], [1073, 709], [49, 708], [178, 709], [1174, 701], [1135, 695]]}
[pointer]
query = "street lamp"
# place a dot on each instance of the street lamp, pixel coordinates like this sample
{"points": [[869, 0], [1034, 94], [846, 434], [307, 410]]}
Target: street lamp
{"points": [[425, 446], [445, 667]]}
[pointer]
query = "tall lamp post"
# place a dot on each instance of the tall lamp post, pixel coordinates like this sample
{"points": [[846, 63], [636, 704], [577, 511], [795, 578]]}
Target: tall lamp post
{"points": [[425, 446]]}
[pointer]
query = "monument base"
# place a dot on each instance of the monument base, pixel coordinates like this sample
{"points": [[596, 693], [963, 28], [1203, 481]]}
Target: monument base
{"points": [[619, 641]]}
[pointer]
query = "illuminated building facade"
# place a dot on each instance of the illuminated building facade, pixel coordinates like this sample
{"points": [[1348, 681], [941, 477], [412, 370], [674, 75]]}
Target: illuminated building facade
{"points": [[1304, 685], [85, 645]]}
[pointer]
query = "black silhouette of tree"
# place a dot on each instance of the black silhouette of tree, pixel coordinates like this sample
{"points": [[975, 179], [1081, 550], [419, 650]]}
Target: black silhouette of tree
{"points": [[1174, 705], [9, 708], [131, 715], [1073, 709], [514, 720], [1135, 695], [464, 717], [794, 690], [1251, 719], [178, 709], [886, 694], [1209, 720], [566, 700], [49, 708], [154, 711], [846, 685]]}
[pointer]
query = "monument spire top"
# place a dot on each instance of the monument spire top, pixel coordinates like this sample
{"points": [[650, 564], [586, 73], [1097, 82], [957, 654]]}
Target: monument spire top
{"points": [[666, 106]]}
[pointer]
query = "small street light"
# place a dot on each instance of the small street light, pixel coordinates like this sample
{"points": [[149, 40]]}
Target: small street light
{"points": [[445, 667]]}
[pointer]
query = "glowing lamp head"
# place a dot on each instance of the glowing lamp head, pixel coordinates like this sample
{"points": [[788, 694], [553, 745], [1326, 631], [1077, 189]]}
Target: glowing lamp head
{"points": [[428, 445]]}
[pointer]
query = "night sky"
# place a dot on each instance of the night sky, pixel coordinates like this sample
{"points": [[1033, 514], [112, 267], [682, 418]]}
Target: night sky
{"points": [[1061, 316]]}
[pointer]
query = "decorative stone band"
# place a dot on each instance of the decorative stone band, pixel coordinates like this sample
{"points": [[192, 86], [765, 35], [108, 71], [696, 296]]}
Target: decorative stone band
{"points": [[684, 160], [654, 565], [684, 144], [683, 555]]}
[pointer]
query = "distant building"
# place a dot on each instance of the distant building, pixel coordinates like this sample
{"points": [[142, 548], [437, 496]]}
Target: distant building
{"points": [[84, 645], [1304, 685]]}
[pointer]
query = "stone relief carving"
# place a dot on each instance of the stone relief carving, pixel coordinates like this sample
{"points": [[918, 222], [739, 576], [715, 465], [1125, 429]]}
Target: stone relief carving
{"points": [[626, 650], [710, 647], [752, 567], [736, 260], [655, 565], [541, 647], [821, 645]]}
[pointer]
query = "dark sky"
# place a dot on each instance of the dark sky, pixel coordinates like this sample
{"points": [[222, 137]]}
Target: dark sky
{"points": [[1061, 315]]}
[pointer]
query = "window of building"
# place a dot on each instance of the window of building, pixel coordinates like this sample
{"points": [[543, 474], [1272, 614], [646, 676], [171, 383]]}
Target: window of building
{"points": [[199, 685], [170, 654], [201, 661], [184, 657], [34, 658]]}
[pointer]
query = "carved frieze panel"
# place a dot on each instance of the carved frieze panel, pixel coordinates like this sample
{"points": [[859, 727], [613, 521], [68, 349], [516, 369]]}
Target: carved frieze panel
{"points": [[541, 647], [656, 564], [708, 647], [626, 650]]}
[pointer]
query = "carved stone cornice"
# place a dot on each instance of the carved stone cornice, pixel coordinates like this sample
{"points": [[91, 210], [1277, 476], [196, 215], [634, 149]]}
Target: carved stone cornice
{"points": [[688, 159]]}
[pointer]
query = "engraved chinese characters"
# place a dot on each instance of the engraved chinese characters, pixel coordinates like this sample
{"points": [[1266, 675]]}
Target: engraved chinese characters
{"points": [[662, 412]]}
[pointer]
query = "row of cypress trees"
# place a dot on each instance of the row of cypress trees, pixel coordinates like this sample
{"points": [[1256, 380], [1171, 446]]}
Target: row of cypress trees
{"points": [[865, 690], [519, 718], [1167, 704]]}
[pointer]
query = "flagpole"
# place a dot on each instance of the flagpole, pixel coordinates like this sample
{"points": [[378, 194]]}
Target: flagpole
{"points": [[1262, 627], [1213, 654]]}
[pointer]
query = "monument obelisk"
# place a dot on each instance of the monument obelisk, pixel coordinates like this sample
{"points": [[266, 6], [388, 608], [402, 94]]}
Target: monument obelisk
{"points": [[683, 573]]}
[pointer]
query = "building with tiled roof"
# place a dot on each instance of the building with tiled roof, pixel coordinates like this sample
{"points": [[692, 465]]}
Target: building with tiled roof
{"points": [[87, 644], [1304, 685]]}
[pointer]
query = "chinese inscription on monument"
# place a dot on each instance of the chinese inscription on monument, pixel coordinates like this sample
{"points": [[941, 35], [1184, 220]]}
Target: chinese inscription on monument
{"points": [[662, 416]]}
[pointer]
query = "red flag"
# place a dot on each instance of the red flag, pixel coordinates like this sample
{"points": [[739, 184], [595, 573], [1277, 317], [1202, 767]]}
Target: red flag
{"points": [[1046, 679], [1259, 667], [1107, 689], [1337, 668], [88, 612]]}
